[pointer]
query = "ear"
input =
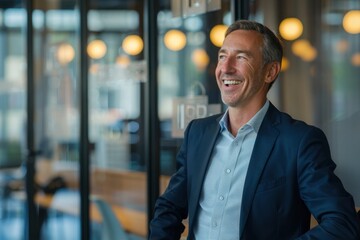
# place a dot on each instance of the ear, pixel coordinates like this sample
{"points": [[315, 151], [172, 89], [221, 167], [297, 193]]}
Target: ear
{"points": [[272, 71]]}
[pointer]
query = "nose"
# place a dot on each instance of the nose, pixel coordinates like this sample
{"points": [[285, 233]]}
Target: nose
{"points": [[228, 65]]}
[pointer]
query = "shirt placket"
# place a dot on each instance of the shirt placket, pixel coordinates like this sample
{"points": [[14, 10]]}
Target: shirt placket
{"points": [[225, 184]]}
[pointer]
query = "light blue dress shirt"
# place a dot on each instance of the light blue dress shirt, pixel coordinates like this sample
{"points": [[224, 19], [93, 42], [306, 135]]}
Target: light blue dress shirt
{"points": [[221, 196]]}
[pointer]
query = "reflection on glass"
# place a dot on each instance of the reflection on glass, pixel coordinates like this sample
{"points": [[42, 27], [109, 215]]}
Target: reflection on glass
{"points": [[200, 58], [355, 59], [65, 53]]}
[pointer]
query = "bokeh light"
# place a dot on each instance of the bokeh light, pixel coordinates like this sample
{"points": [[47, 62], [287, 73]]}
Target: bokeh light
{"points": [[133, 44], [175, 40], [291, 28], [96, 49]]}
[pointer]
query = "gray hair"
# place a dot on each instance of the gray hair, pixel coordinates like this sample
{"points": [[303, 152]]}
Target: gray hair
{"points": [[272, 47]]}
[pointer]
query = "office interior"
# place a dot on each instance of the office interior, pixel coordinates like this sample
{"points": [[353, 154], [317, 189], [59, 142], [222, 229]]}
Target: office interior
{"points": [[95, 96]]}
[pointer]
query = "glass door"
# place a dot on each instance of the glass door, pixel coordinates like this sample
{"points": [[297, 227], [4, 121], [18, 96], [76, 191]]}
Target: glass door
{"points": [[117, 79], [320, 79], [56, 118], [13, 117], [190, 35]]}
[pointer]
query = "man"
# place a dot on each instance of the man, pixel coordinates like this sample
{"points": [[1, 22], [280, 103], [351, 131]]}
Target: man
{"points": [[254, 172]]}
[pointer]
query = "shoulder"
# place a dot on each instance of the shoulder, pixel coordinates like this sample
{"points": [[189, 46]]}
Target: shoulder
{"points": [[214, 119], [288, 125], [199, 125]]}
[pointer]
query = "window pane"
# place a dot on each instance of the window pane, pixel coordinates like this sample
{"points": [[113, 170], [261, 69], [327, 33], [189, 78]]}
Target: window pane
{"points": [[116, 129], [320, 78], [57, 118], [12, 120], [186, 75], [187, 85]]}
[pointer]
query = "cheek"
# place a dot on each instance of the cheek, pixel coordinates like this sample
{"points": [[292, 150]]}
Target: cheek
{"points": [[217, 72], [248, 69], [217, 69]]}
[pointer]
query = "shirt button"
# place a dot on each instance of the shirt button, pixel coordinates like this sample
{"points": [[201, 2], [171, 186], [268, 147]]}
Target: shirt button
{"points": [[221, 198], [228, 170], [214, 224]]}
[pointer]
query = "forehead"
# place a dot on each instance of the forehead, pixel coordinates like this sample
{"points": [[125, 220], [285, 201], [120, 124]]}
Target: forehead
{"points": [[247, 39]]}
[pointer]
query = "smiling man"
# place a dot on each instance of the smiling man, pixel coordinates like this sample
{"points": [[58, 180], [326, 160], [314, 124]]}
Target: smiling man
{"points": [[253, 172]]}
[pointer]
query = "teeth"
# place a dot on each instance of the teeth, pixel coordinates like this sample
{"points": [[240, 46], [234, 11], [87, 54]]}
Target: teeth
{"points": [[231, 82]]}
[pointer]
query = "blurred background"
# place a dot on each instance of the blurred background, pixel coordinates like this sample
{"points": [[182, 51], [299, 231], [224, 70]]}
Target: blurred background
{"points": [[95, 96]]}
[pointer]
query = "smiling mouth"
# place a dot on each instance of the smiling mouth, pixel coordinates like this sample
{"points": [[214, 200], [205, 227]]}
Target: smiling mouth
{"points": [[231, 82]]}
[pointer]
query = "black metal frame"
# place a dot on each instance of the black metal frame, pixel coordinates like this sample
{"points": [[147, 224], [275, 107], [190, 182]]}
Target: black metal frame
{"points": [[240, 9], [84, 146], [152, 131], [32, 229]]}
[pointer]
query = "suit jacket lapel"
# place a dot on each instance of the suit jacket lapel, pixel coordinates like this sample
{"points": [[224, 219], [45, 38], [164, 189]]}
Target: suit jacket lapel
{"points": [[262, 149], [209, 136]]}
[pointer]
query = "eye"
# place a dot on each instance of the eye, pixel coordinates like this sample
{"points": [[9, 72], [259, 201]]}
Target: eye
{"points": [[221, 57], [241, 56]]}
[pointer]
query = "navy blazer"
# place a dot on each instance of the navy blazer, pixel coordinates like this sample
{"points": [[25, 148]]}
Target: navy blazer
{"points": [[290, 175]]}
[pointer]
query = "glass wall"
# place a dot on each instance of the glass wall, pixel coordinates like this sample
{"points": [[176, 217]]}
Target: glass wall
{"points": [[117, 79], [189, 37], [318, 84], [320, 79], [56, 117], [186, 78], [12, 119]]}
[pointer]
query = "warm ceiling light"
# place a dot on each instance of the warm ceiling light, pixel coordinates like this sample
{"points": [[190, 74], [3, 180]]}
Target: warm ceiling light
{"points": [[94, 68], [309, 55], [96, 49], [217, 34], [351, 22], [291, 28], [133, 44], [303, 49], [284, 64], [300, 46], [200, 58], [175, 40], [355, 59], [123, 61], [342, 46], [65, 53]]}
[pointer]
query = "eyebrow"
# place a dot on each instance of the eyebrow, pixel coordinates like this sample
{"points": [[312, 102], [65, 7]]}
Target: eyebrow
{"points": [[222, 50]]}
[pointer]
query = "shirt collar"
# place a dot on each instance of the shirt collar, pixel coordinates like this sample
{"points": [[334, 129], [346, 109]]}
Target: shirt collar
{"points": [[254, 122]]}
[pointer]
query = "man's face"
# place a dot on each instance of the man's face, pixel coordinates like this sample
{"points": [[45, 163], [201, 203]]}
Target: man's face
{"points": [[240, 74]]}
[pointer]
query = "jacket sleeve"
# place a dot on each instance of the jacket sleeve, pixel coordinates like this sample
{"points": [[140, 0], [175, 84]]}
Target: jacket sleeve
{"points": [[171, 208], [323, 193]]}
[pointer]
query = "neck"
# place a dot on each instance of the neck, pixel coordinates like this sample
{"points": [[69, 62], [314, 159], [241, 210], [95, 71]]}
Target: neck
{"points": [[239, 116]]}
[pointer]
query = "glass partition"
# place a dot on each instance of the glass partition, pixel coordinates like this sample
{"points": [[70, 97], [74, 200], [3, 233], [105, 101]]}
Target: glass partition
{"points": [[319, 82], [12, 120], [189, 38], [56, 125], [117, 78], [186, 78]]}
